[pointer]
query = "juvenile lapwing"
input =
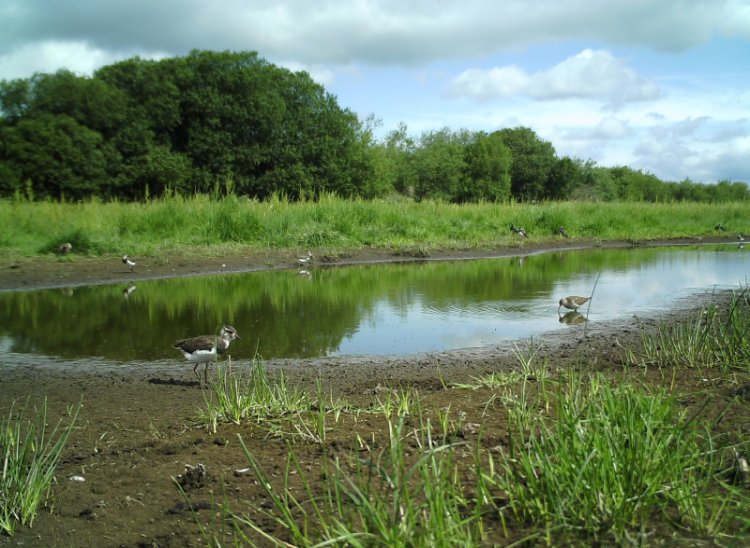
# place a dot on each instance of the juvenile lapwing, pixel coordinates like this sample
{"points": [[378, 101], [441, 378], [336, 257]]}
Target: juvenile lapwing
{"points": [[206, 348], [127, 261], [573, 302]]}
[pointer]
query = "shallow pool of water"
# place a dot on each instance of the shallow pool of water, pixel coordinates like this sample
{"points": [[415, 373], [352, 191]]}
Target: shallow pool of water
{"points": [[384, 309]]}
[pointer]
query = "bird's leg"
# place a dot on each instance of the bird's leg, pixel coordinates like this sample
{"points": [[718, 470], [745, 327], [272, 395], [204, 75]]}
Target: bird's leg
{"points": [[195, 370], [205, 373]]}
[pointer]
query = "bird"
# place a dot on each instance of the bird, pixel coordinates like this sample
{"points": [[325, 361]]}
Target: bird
{"points": [[720, 227], [573, 302], [65, 248], [128, 261], [305, 260], [518, 230], [740, 238], [206, 348], [563, 232]]}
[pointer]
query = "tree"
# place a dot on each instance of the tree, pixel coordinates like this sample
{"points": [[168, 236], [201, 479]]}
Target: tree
{"points": [[59, 156], [532, 161], [437, 165], [488, 165], [564, 177]]}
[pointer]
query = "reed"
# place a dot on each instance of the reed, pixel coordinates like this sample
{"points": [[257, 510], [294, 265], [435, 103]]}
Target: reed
{"points": [[29, 453], [388, 501], [610, 459], [709, 339], [237, 394], [201, 225]]}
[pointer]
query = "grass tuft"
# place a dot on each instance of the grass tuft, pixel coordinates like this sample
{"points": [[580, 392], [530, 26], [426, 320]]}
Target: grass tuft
{"points": [[29, 454]]}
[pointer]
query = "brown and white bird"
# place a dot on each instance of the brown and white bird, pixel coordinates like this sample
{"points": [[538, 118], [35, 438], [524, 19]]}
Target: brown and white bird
{"points": [[127, 261], [206, 348], [573, 302]]}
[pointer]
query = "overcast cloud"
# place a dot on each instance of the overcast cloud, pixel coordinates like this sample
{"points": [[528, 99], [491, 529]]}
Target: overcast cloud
{"points": [[660, 85]]}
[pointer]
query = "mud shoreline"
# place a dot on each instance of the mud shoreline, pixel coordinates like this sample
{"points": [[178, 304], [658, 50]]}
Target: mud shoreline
{"points": [[36, 273]]}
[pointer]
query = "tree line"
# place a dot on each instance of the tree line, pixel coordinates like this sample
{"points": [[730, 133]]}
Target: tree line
{"points": [[231, 122]]}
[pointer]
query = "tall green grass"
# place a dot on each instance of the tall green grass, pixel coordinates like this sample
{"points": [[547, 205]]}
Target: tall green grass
{"points": [[29, 454], [610, 459], [711, 339], [386, 501], [201, 224]]}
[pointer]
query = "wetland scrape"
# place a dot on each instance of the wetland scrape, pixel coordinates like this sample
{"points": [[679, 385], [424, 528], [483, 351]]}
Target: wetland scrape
{"points": [[137, 430]]}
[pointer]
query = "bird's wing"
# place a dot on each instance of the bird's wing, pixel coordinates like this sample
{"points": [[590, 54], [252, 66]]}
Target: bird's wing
{"points": [[202, 342]]}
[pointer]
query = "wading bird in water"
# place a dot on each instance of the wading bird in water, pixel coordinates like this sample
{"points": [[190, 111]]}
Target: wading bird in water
{"points": [[573, 302]]}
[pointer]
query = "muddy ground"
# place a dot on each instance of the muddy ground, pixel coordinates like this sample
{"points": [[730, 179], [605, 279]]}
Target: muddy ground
{"points": [[138, 430]]}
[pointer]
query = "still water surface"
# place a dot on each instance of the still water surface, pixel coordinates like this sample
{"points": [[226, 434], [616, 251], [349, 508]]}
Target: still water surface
{"points": [[391, 309]]}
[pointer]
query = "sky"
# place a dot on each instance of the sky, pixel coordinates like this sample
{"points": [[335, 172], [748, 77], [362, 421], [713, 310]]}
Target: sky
{"points": [[661, 86]]}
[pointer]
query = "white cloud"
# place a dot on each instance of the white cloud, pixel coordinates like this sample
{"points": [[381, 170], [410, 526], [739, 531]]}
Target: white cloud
{"points": [[591, 74], [689, 148], [369, 31], [608, 129], [49, 56]]}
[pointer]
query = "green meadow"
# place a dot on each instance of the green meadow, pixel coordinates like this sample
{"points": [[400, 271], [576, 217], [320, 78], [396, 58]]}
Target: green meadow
{"points": [[203, 225]]}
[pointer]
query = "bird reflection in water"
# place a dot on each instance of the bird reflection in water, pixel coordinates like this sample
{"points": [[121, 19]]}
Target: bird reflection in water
{"points": [[572, 318]]}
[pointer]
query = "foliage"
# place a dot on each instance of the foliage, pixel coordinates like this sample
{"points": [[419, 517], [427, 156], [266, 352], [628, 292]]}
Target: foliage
{"points": [[29, 454], [611, 457], [138, 129], [202, 223]]}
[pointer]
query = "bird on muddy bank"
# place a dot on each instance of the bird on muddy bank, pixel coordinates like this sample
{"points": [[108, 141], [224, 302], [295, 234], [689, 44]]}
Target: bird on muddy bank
{"points": [[304, 261], [572, 302], [206, 348], [127, 261], [521, 231]]}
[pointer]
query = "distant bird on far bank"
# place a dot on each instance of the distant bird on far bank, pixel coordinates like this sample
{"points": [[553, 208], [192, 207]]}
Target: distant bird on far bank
{"points": [[65, 248], [304, 261], [572, 302], [206, 348], [521, 231], [127, 261], [563, 232], [719, 227], [740, 238]]}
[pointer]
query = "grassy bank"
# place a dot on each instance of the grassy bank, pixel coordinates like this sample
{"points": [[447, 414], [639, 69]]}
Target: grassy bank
{"points": [[201, 225]]}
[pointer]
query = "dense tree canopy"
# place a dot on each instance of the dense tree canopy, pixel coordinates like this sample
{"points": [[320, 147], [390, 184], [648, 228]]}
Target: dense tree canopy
{"points": [[221, 122]]}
